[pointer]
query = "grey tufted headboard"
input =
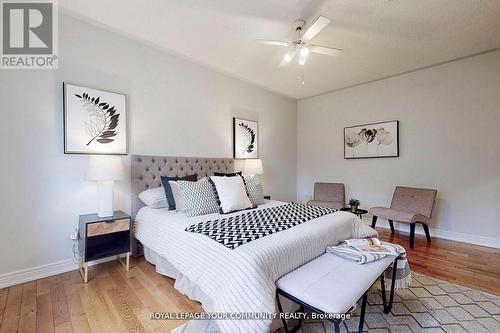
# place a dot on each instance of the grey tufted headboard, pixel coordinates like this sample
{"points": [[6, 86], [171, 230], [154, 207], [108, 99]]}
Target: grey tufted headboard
{"points": [[146, 171]]}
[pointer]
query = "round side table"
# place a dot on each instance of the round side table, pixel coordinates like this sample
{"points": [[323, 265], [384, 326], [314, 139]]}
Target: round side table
{"points": [[358, 212]]}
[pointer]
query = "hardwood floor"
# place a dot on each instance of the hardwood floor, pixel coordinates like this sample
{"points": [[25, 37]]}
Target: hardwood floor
{"points": [[465, 264], [115, 300]]}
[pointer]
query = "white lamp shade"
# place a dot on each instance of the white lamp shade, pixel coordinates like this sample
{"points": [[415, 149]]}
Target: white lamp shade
{"points": [[102, 168], [253, 166]]}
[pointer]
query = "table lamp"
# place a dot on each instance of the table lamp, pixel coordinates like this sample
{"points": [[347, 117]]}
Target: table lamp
{"points": [[253, 167], [105, 169]]}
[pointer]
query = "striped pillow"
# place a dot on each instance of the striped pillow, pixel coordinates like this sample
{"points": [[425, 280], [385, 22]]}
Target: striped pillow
{"points": [[254, 189], [199, 197], [154, 198]]}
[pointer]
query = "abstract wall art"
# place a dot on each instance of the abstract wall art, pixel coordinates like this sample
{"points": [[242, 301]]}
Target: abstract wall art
{"points": [[245, 138], [372, 140], [95, 121]]}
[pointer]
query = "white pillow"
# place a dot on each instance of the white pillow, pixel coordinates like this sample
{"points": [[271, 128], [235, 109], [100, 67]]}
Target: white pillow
{"points": [[231, 193], [178, 199], [154, 198]]}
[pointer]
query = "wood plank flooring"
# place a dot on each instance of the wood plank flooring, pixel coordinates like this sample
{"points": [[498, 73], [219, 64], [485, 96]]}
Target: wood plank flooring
{"points": [[465, 264], [115, 300]]}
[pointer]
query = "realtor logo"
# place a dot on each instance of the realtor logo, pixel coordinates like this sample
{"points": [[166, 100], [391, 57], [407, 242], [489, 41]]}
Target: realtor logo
{"points": [[29, 34]]}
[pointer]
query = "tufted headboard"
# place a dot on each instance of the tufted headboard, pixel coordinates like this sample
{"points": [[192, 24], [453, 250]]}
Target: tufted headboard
{"points": [[146, 171]]}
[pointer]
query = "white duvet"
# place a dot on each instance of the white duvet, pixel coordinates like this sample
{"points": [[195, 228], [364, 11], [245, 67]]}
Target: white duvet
{"points": [[243, 279]]}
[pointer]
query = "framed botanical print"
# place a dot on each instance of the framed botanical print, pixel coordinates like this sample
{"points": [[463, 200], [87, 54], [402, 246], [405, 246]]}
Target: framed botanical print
{"points": [[372, 140], [95, 121], [245, 138]]}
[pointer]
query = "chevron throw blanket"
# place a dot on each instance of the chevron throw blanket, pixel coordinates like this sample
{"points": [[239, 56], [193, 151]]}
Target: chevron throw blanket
{"points": [[241, 229]]}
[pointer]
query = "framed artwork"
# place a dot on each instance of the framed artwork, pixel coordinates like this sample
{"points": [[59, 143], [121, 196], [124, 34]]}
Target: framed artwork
{"points": [[372, 140], [95, 121], [245, 138]]}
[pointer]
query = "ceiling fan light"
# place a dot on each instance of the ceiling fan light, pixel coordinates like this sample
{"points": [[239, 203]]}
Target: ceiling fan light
{"points": [[302, 60], [304, 52], [287, 57]]}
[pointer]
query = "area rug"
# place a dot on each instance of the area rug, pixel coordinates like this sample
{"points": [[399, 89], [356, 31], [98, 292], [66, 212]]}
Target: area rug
{"points": [[429, 305]]}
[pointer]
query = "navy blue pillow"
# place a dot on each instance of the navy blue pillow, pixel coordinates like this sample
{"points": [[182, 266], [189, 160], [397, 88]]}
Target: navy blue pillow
{"points": [[222, 174], [168, 188]]}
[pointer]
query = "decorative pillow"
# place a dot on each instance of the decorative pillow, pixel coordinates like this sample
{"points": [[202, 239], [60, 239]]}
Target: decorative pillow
{"points": [[154, 198], [231, 193], [254, 189], [222, 174], [179, 201], [199, 197], [168, 189]]}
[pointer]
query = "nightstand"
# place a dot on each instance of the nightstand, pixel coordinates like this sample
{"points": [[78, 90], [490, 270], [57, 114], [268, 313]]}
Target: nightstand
{"points": [[102, 237], [267, 197]]}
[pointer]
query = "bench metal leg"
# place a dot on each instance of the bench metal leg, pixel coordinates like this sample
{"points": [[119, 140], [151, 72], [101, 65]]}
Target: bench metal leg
{"points": [[336, 323], [363, 310], [285, 326], [374, 221], [388, 306]]}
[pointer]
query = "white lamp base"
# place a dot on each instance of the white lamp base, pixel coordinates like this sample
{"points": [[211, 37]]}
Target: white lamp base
{"points": [[105, 198]]}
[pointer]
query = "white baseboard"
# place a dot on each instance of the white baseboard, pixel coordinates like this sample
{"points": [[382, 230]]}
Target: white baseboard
{"points": [[40, 272], [35, 273], [438, 233]]}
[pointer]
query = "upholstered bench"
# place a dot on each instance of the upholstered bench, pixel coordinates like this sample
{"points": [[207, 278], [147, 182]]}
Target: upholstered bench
{"points": [[330, 285]]}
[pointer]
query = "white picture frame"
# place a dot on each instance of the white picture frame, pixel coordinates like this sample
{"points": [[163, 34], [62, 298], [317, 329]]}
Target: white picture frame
{"points": [[95, 121], [245, 138]]}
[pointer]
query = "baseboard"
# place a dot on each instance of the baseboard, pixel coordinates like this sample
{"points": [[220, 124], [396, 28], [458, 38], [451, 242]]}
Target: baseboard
{"points": [[35, 273], [438, 233], [40, 272]]}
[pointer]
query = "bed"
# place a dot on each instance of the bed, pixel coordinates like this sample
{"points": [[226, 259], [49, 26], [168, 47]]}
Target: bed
{"points": [[240, 280]]}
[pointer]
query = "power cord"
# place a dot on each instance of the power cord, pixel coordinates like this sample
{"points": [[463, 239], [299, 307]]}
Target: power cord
{"points": [[76, 253]]}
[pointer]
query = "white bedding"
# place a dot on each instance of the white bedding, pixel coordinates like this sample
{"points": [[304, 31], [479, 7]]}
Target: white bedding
{"points": [[243, 279]]}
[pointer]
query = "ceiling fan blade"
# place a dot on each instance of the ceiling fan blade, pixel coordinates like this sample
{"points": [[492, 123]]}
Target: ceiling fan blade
{"points": [[314, 29], [330, 51], [285, 62], [273, 42]]}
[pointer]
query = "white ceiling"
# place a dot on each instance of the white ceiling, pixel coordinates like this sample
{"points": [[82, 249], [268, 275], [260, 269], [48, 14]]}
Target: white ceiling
{"points": [[379, 37]]}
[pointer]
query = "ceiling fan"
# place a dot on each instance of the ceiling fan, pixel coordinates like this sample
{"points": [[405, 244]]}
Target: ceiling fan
{"points": [[301, 44]]}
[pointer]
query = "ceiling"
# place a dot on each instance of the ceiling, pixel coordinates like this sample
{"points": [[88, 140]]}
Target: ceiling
{"points": [[380, 38]]}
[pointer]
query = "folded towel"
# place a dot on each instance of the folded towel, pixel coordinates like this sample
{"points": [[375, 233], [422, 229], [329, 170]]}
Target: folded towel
{"points": [[368, 250]]}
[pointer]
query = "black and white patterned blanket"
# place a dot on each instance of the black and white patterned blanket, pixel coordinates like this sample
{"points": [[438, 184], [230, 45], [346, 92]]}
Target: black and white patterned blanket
{"points": [[240, 229]]}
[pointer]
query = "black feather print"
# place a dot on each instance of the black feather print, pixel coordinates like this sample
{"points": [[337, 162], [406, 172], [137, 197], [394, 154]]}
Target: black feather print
{"points": [[250, 134], [102, 127]]}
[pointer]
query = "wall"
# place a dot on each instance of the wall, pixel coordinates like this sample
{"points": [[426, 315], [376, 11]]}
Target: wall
{"points": [[449, 140], [176, 108]]}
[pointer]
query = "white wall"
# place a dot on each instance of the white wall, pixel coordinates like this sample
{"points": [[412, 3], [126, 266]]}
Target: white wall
{"points": [[176, 108], [449, 140]]}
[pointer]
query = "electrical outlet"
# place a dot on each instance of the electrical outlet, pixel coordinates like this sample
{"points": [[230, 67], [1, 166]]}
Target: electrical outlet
{"points": [[74, 234]]}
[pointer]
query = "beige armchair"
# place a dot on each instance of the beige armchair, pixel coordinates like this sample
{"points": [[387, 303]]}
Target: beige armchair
{"points": [[331, 195], [410, 205]]}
